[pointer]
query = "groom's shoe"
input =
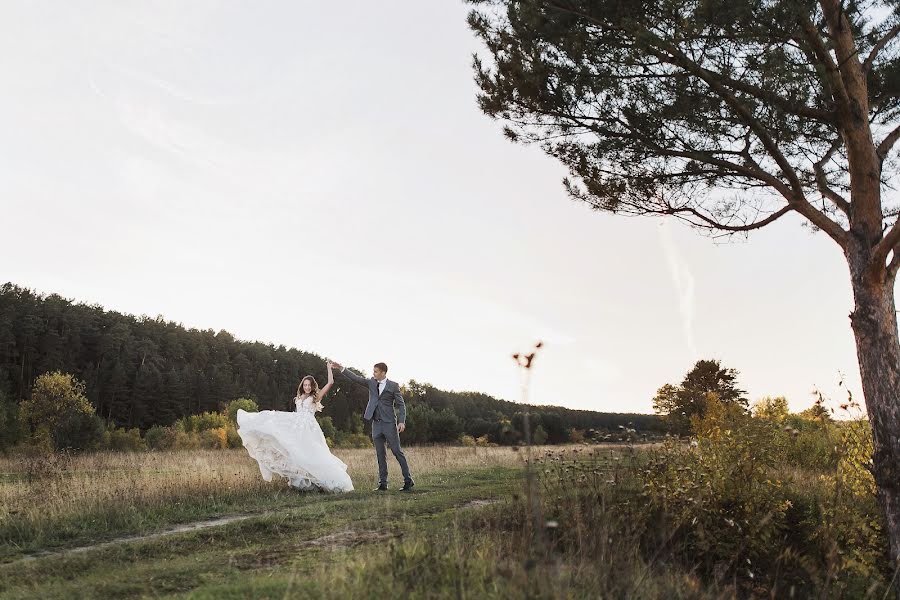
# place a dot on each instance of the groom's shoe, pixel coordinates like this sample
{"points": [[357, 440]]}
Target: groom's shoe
{"points": [[407, 486], [381, 488]]}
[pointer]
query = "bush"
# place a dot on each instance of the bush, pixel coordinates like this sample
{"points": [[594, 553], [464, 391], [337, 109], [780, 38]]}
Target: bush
{"points": [[241, 403], [352, 440], [328, 428], [733, 505], [506, 433], [174, 438], [444, 426], [125, 440], [355, 423], [810, 443], [203, 422], [78, 431], [186, 441], [471, 442], [771, 409], [721, 498], [216, 439], [418, 420], [576, 436], [54, 398], [233, 438], [160, 438], [847, 524], [717, 417]]}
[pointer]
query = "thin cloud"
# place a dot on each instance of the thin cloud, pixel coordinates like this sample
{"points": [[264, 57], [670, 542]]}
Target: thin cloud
{"points": [[683, 280]]}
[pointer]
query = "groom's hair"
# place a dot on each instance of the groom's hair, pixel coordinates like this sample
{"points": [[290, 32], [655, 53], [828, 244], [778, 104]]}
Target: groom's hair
{"points": [[381, 367]]}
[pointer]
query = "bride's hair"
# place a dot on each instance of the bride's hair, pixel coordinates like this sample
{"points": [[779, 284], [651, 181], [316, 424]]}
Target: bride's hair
{"points": [[313, 382]]}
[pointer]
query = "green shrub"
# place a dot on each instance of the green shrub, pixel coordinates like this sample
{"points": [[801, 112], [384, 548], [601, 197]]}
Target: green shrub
{"points": [[54, 397], [160, 438], [720, 499], [846, 523], [576, 436], [467, 440], [186, 441], [216, 439], [78, 431], [352, 440], [233, 438], [810, 443], [734, 504], [328, 428], [241, 403], [203, 422], [125, 440]]}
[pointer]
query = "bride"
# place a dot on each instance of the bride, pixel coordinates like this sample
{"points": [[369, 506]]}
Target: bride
{"points": [[291, 444]]}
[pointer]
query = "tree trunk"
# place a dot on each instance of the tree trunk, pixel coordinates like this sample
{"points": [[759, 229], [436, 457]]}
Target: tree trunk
{"points": [[874, 322]]}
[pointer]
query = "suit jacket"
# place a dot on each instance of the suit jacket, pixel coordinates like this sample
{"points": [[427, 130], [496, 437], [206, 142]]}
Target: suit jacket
{"points": [[383, 404]]}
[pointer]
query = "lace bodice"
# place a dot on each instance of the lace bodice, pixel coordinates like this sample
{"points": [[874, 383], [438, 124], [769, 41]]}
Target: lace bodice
{"points": [[307, 404]]}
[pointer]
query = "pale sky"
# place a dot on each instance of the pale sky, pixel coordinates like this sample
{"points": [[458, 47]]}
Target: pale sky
{"points": [[318, 175]]}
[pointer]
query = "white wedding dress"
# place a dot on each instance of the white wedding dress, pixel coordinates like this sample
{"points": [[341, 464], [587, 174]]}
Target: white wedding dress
{"points": [[291, 444]]}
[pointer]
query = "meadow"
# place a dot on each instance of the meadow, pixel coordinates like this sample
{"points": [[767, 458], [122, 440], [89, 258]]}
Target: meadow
{"points": [[722, 517]]}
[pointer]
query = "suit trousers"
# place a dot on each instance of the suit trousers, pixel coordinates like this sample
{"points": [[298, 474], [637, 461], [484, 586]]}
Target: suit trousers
{"points": [[386, 432]]}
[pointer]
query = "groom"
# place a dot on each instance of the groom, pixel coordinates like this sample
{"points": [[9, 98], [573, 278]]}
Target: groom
{"points": [[386, 427]]}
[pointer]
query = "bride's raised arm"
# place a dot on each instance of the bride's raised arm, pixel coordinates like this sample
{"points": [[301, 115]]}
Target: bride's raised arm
{"points": [[327, 386]]}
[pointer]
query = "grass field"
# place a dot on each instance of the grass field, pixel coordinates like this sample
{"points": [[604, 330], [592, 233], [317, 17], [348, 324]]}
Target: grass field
{"points": [[67, 500], [588, 522], [293, 544]]}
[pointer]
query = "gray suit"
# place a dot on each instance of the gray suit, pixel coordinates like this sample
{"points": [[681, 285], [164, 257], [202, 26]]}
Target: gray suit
{"points": [[380, 410]]}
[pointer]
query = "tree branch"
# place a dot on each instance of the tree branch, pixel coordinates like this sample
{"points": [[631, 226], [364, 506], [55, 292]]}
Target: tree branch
{"points": [[894, 266], [732, 228], [879, 46], [889, 242], [795, 200], [792, 191], [799, 110], [668, 52], [822, 182], [752, 172], [888, 142], [839, 91], [795, 108]]}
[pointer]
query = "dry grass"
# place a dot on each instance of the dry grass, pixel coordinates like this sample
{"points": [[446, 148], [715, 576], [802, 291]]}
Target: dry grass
{"points": [[42, 492]]}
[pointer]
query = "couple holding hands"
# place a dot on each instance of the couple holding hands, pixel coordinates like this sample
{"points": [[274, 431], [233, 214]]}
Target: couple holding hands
{"points": [[292, 445]]}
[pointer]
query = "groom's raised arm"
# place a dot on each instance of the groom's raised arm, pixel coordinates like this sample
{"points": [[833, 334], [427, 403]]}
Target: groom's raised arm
{"points": [[354, 377]]}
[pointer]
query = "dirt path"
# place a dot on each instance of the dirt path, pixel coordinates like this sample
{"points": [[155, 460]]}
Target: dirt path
{"points": [[340, 538], [187, 527]]}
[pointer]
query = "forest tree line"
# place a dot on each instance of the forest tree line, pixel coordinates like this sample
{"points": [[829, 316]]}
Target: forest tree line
{"points": [[140, 372]]}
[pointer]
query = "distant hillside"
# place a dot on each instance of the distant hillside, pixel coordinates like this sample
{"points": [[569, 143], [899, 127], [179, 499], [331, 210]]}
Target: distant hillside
{"points": [[143, 371]]}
